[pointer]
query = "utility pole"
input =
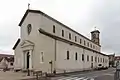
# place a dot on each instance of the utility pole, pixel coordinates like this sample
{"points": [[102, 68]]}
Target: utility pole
{"points": [[51, 63]]}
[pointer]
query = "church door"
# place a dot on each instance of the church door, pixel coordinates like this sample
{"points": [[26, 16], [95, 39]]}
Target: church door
{"points": [[28, 56]]}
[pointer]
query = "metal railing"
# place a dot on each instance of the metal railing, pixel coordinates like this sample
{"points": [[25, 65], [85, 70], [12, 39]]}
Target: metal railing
{"points": [[39, 75]]}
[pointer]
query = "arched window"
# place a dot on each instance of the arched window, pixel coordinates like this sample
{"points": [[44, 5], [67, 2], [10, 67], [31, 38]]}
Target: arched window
{"points": [[75, 38], [70, 36], [53, 28], [87, 58], [80, 41], [91, 58], [82, 57], [84, 42], [67, 55], [62, 33], [76, 56]]}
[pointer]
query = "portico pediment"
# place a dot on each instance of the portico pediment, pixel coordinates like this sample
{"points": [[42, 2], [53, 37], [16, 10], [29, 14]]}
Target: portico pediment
{"points": [[26, 43]]}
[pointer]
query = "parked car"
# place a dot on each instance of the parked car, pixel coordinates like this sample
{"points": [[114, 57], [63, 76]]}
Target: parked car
{"points": [[99, 66]]}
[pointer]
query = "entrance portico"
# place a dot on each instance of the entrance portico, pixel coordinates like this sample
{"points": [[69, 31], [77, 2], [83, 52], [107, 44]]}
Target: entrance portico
{"points": [[27, 49]]}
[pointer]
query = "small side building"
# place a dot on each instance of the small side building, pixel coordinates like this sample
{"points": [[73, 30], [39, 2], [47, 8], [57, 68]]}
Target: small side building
{"points": [[111, 60], [117, 60], [6, 61]]}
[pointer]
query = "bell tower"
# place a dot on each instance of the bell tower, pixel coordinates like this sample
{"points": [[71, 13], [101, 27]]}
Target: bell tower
{"points": [[95, 36]]}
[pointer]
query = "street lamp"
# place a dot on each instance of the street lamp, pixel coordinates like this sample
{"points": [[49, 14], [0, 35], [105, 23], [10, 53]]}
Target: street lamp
{"points": [[51, 65]]}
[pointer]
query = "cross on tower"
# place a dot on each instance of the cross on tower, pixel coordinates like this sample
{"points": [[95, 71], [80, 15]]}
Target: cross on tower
{"points": [[28, 5], [95, 27]]}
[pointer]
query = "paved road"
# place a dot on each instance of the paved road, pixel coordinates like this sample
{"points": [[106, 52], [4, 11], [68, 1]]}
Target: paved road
{"points": [[95, 75]]}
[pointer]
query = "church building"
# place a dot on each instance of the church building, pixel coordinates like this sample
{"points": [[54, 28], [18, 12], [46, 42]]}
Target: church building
{"points": [[50, 46]]}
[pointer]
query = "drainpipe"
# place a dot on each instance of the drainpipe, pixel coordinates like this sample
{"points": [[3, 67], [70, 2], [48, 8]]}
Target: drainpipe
{"points": [[84, 59], [55, 59]]}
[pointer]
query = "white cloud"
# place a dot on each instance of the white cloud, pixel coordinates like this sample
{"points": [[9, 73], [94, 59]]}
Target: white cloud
{"points": [[80, 15]]}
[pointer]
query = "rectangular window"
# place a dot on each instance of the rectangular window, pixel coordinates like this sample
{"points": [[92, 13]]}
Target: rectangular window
{"points": [[75, 38], [91, 58], [87, 58], [41, 57], [88, 44], [53, 28], [70, 36], [80, 41], [84, 43], [76, 56], [67, 55], [82, 57], [62, 33], [103, 60]]}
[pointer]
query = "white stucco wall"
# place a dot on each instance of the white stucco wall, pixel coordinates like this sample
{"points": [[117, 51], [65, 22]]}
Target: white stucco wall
{"points": [[4, 63], [41, 42], [45, 44], [18, 58], [47, 25], [63, 64], [10, 66]]}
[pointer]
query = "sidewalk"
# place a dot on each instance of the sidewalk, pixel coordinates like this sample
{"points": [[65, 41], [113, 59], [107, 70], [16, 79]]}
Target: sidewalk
{"points": [[10, 75]]}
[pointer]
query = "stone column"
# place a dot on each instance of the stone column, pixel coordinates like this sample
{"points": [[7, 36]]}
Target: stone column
{"points": [[23, 57], [23, 60], [30, 59]]}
